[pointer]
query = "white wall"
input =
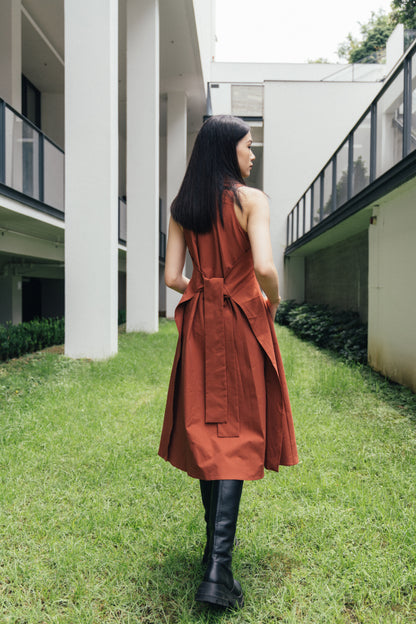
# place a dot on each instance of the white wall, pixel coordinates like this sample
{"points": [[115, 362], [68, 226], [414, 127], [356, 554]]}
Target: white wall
{"points": [[205, 19], [293, 276], [53, 117], [392, 288], [11, 53], [304, 123]]}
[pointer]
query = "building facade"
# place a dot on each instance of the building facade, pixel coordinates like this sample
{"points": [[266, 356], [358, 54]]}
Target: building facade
{"points": [[100, 102], [100, 105]]}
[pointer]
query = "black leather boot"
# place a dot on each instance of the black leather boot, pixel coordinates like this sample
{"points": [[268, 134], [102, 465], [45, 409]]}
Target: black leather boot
{"points": [[219, 586], [206, 491]]}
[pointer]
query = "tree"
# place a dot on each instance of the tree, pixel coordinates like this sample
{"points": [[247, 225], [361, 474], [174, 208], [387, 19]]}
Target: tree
{"points": [[321, 59], [374, 37], [404, 12]]}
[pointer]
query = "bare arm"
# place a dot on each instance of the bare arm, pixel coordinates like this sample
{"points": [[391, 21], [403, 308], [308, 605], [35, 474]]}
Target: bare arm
{"points": [[175, 258], [256, 208]]}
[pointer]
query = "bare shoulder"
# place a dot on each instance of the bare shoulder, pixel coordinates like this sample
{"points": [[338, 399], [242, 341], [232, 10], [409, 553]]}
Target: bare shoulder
{"points": [[252, 199]]}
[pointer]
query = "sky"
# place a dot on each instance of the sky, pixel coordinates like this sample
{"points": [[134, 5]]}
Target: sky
{"points": [[290, 31]]}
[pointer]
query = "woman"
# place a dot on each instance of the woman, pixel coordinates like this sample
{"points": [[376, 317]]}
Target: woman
{"points": [[228, 414]]}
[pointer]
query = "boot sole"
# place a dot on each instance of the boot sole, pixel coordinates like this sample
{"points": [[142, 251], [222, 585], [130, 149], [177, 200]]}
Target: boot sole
{"points": [[214, 593]]}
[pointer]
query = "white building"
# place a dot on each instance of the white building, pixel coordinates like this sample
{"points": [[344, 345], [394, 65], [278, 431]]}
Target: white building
{"points": [[123, 99], [115, 111]]}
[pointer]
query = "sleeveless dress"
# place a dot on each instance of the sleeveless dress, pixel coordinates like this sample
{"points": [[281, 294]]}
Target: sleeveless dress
{"points": [[227, 413]]}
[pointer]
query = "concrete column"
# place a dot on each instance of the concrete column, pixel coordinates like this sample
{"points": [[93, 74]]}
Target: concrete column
{"points": [[176, 165], [16, 299], [11, 53], [11, 299], [142, 167], [91, 177], [391, 286]]}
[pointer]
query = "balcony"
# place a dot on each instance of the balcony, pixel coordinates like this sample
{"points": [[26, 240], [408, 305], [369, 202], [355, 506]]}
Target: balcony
{"points": [[31, 165], [378, 155], [32, 171]]}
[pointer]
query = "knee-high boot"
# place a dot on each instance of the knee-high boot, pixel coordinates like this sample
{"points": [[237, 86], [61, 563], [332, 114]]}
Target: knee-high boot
{"points": [[206, 491], [219, 586]]}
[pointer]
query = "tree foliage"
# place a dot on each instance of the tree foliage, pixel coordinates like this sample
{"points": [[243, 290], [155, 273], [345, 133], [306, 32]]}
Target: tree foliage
{"points": [[404, 12], [319, 60], [374, 35]]}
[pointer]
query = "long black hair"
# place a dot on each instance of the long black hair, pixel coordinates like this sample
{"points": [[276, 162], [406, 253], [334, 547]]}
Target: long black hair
{"points": [[212, 168]]}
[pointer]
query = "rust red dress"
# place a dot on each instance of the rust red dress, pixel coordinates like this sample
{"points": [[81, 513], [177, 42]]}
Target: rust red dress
{"points": [[227, 414]]}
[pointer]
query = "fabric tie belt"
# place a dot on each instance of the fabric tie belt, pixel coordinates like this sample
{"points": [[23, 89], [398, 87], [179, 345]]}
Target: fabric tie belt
{"points": [[221, 372]]}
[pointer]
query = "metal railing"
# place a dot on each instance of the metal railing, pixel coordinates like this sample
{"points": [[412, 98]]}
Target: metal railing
{"points": [[30, 162], [122, 221], [32, 167], [383, 136]]}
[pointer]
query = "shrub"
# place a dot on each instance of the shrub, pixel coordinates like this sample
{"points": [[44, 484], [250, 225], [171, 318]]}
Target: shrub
{"points": [[340, 331], [16, 340], [283, 311]]}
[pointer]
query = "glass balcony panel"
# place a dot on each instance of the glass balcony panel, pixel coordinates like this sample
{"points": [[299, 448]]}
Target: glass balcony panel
{"points": [[122, 220], [13, 151], [327, 190], [22, 155], [390, 126], [308, 210], [295, 224], [316, 190], [54, 172], [289, 228], [342, 175], [361, 155], [292, 230], [413, 123]]}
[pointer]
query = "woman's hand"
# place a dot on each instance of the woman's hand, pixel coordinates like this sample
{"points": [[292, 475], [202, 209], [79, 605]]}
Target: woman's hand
{"points": [[273, 308]]}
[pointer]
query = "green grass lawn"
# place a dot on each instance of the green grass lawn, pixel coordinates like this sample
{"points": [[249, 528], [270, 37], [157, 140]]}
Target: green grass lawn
{"points": [[96, 528]]}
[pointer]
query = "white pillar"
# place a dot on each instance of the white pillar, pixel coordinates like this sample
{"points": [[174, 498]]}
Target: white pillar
{"points": [[16, 299], [176, 165], [142, 167], [11, 53], [11, 299], [91, 177]]}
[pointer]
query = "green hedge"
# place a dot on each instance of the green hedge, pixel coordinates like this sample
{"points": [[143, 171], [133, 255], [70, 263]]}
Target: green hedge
{"points": [[16, 340], [340, 331]]}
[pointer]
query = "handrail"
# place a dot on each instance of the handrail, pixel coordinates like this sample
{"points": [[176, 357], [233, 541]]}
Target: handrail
{"points": [[24, 151], [30, 123], [317, 213], [37, 202]]}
